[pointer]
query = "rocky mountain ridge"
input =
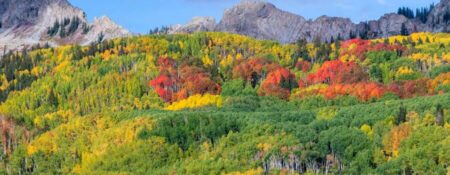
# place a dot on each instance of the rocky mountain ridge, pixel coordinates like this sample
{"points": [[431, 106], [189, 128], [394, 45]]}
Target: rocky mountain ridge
{"points": [[24, 23], [263, 20]]}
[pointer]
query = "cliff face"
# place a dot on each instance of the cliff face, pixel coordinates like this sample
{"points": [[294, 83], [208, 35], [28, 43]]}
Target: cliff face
{"points": [[439, 18], [196, 24], [391, 24], [105, 26], [16, 13], [264, 21], [27, 22]]}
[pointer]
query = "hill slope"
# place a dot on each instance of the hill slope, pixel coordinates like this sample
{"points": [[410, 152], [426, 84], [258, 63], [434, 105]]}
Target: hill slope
{"points": [[213, 103]]}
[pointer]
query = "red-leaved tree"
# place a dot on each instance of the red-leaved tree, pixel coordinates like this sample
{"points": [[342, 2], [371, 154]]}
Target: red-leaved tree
{"points": [[253, 70], [359, 47], [304, 66], [174, 83], [278, 83], [337, 72]]}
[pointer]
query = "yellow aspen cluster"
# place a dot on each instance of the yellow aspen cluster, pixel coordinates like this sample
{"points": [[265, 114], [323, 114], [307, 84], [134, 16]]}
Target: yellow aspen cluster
{"points": [[367, 130], [404, 71], [196, 101], [61, 66], [420, 57], [207, 61], [228, 61], [446, 57]]}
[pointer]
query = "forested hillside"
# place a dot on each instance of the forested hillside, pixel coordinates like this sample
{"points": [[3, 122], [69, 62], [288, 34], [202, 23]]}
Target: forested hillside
{"points": [[218, 103]]}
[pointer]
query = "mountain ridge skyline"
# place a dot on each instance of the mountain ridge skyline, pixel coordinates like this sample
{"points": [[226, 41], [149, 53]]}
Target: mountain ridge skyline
{"points": [[264, 20], [139, 19]]}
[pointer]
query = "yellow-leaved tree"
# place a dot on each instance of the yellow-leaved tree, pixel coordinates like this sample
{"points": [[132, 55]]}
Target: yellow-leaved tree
{"points": [[196, 101]]}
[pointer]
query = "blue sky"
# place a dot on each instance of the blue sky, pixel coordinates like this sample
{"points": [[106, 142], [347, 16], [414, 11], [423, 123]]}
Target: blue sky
{"points": [[141, 15]]}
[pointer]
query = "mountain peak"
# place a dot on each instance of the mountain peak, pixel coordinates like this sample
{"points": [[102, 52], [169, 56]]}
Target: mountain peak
{"points": [[263, 20], [198, 23], [107, 27], [25, 12], [254, 3], [260, 8], [24, 23], [104, 20]]}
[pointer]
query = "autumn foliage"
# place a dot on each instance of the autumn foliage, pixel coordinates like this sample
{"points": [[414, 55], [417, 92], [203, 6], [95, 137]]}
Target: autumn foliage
{"points": [[409, 89], [90, 109], [252, 70], [165, 83], [355, 49], [196, 101], [336, 72], [362, 91], [395, 137], [346, 76], [278, 83], [195, 80], [173, 84], [304, 66], [442, 80]]}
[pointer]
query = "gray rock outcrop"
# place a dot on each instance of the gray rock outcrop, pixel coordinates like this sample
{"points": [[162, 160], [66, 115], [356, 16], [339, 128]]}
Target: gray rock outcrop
{"points": [[439, 18], [205, 24], [263, 20], [24, 23]]}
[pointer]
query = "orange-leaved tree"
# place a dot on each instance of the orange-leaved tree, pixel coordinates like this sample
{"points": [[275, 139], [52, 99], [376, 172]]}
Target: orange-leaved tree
{"points": [[278, 83], [337, 72], [174, 83], [253, 70]]}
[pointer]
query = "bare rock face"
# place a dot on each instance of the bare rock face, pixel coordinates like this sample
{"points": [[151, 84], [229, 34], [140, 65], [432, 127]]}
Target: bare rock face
{"points": [[392, 23], [204, 24], [107, 28], [263, 20], [24, 23], [325, 28], [439, 18], [15, 13]]}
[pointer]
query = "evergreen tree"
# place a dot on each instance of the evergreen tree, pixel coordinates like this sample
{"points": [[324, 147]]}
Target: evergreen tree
{"points": [[407, 12], [86, 28], [74, 24], [446, 17], [404, 30], [62, 33], [352, 35], [337, 46], [52, 99], [439, 115], [77, 53], [302, 49], [52, 31], [401, 117], [100, 37]]}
